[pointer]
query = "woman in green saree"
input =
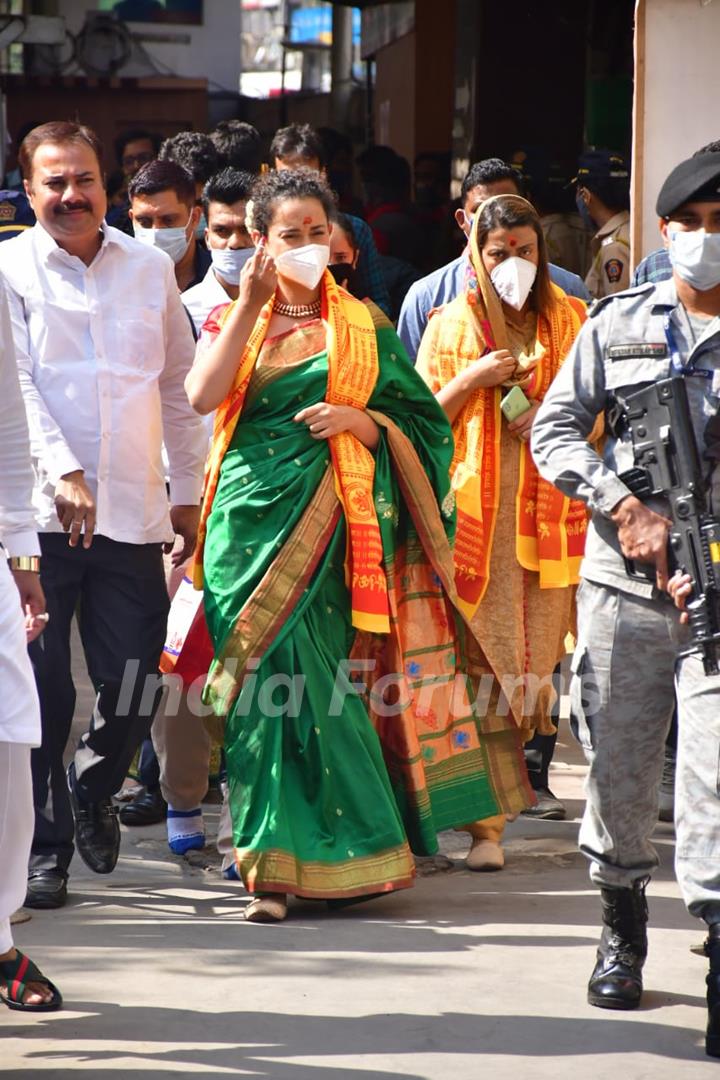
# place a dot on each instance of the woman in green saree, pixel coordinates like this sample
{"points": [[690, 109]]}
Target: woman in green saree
{"points": [[324, 551]]}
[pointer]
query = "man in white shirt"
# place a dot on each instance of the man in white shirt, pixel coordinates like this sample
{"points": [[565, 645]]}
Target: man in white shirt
{"points": [[224, 199], [103, 345], [21, 984]]}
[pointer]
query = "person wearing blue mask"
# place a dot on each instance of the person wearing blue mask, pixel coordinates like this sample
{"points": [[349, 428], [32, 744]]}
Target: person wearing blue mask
{"points": [[224, 201], [164, 215], [628, 671], [603, 201]]}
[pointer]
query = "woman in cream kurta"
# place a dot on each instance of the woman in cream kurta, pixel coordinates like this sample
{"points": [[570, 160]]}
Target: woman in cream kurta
{"points": [[519, 542]]}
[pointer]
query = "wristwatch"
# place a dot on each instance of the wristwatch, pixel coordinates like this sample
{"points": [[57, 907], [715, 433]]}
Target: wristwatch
{"points": [[25, 562]]}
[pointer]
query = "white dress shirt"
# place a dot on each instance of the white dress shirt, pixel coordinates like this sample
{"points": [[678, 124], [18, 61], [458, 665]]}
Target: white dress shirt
{"points": [[200, 299], [17, 518], [19, 707], [102, 353]]}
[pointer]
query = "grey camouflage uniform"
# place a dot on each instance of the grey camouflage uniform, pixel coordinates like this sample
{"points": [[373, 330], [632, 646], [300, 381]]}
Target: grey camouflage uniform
{"points": [[625, 669]]}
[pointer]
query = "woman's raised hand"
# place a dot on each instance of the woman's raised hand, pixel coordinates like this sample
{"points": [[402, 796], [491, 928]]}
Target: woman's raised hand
{"points": [[492, 369], [258, 279]]}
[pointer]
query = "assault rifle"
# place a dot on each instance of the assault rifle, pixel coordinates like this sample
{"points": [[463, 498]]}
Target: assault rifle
{"points": [[668, 464]]}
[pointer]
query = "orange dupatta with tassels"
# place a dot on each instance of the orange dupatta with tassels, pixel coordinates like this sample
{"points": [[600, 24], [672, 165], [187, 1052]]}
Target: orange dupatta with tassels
{"points": [[353, 368], [550, 528]]}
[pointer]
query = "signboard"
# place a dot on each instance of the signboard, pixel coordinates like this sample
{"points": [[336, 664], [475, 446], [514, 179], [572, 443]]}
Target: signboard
{"points": [[182, 12]]}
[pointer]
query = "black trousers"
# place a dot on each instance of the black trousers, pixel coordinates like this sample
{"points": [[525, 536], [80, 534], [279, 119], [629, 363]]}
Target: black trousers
{"points": [[118, 591], [538, 755], [540, 749], [149, 766]]}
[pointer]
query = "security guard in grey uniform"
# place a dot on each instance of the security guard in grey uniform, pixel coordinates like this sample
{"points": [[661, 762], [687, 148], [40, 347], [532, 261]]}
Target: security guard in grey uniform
{"points": [[625, 669]]}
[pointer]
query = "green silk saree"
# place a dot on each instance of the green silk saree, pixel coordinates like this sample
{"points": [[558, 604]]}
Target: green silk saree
{"points": [[329, 778]]}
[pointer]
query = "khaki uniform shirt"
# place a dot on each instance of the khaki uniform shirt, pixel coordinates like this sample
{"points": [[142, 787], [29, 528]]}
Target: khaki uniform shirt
{"points": [[567, 242], [610, 269]]}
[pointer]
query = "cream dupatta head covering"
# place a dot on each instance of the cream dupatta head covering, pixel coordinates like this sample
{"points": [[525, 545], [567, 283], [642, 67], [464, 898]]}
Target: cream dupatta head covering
{"points": [[528, 355]]}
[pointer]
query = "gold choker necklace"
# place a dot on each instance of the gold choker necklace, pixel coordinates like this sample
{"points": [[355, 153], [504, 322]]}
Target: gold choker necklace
{"points": [[297, 311]]}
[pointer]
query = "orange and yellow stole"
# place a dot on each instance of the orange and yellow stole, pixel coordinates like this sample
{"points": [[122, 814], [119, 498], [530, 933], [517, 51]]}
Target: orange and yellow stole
{"points": [[353, 368], [550, 531]]}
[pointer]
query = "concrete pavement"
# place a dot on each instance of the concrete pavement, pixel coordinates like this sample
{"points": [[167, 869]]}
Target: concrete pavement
{"points": [[465, 976]]}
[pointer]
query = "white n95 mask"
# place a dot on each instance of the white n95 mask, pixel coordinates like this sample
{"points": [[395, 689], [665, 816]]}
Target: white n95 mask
{"points": [[513, 279], [696, 257], [305, 265]]}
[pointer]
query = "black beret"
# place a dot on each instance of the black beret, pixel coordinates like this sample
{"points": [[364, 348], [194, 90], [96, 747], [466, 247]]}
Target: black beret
{"points": [[694, 180]]}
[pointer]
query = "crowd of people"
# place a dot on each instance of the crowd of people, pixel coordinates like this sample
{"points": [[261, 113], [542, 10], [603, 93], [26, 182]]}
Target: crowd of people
{"points": [[352, 551]]}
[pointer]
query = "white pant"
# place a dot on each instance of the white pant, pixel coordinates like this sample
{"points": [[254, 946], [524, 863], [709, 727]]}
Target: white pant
{"points": [[19, 705], [17, 818]]}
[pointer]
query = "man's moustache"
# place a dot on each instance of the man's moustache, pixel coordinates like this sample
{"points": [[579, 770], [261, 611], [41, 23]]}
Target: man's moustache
{"points": [[68, 208]]}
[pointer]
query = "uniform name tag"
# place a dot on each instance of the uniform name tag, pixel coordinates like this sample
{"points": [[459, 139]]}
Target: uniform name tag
{"points": [[650, 350]]}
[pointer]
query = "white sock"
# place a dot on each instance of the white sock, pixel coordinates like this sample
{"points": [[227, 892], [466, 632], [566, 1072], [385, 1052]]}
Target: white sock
{"points": [[186, 830]]}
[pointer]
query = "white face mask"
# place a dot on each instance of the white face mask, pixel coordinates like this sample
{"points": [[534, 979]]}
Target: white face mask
{"points": [[696, 257], [513, 279], [305, 265], [228, 262], [174, 242]]}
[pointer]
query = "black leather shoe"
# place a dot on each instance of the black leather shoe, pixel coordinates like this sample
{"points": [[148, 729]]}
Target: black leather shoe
{"points": [[147, 808], [616, 982], [46, 889], [548, 807], [97, 832]]}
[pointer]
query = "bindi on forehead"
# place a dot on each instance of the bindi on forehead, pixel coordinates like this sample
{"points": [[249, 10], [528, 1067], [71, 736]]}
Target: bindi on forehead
{"points": [[307, 220], [512, 241]]}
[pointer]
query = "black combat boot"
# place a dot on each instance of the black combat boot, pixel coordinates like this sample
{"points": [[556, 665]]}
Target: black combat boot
{"points": [[712, 951], [616, 982]]}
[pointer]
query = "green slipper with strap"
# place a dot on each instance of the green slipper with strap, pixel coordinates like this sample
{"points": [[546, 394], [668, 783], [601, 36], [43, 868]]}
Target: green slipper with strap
{"points": [[16, 974]]}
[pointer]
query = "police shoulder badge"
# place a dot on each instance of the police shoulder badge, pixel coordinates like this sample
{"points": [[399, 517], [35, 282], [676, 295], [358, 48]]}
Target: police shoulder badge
{"points": [[613, 270]]}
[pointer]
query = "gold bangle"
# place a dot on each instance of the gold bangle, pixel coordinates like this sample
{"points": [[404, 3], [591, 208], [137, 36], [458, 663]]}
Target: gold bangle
{"points": [[25, 562]]}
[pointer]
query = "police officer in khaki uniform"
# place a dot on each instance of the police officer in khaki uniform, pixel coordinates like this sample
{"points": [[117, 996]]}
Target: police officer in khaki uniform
{"points": [[603, 201], [626, 669]]}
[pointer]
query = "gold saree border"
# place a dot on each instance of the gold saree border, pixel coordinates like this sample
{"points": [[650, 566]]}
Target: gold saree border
{"points": [[277, 870]]}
